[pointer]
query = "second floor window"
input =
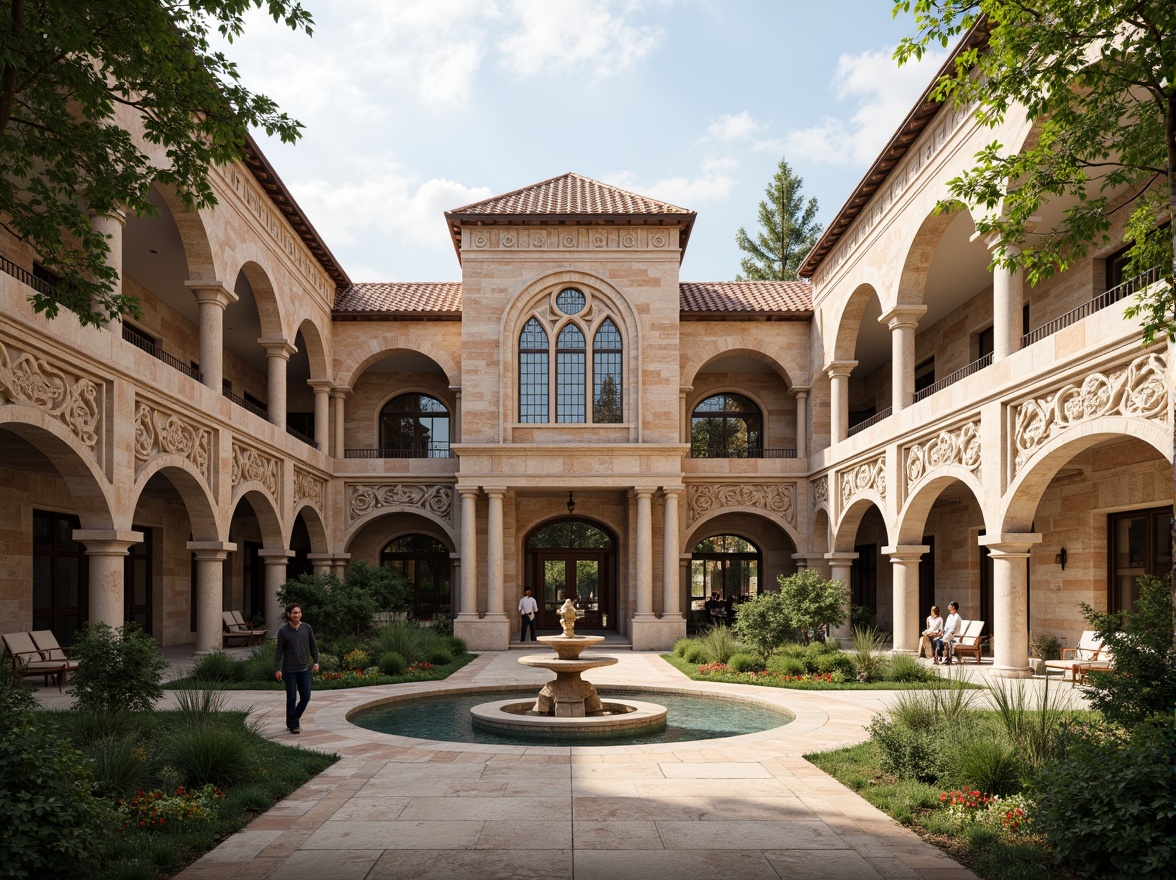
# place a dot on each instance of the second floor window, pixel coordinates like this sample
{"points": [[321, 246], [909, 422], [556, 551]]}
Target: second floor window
{"points": [[414, 426], [727, 426]]}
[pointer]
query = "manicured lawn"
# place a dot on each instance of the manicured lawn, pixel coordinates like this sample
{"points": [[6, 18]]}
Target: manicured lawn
{"points": [[808, 683]]}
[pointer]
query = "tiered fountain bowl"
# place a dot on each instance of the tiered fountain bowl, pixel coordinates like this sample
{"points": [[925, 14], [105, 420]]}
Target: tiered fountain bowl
{"points": [[568, 702]]}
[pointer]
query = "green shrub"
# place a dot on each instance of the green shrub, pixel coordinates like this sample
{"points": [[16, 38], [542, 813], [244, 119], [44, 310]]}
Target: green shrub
{"points": [[763, 623], [910, 752], [785, 665], [52, 822], [681, 645], [121, 764], [214, 753], [867, 653], [16, 697], [357, 659], [198, 702], [838, 662], [696, 653], [89, 725], [457, 646], [439, 655], [216, 666], [904, 667], [1045, 646], [443, 626], [259, 666], [743, 662], [720, 644], [989, 765], [119, 669], [861, 617], [1107, 803], [1034, 726], [392, 663], [812, 603], [407, 638], [333, 607], [387, 587]]}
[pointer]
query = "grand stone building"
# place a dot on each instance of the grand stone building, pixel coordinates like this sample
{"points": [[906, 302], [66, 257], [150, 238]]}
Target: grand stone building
{"points": [[575, 418]]}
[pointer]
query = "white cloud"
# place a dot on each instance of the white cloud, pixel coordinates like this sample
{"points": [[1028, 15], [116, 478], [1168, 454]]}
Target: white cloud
{"points": [[883, 94], [733, 127], [685, 192], [573, 35]]}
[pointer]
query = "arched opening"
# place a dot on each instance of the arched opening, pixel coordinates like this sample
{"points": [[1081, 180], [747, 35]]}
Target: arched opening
{"points": [[573, 559], [724, 570], [762, 383], [388, 382], [727, 425], [254, 527], [245, 366], [414, 426], [423, 561]]}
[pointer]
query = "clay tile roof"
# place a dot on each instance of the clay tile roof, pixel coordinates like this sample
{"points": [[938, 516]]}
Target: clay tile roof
{"points": [[566, 195], [727, 297], [404, 297]]}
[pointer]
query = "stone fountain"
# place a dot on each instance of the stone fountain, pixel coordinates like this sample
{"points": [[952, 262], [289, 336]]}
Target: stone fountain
{"points": [[568, 702]]}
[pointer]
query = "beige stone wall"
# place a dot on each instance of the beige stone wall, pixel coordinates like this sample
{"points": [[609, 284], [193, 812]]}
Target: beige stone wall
{"points": [[374, 390]]}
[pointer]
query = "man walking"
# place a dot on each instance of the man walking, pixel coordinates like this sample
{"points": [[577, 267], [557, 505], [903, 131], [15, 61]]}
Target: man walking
{"points": [[296, 648], [527, 608]]}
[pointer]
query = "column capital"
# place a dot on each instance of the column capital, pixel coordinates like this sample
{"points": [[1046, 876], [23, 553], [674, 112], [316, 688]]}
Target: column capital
{"points": [[839, 556], [211, 550], [107, 542], [646, 491], [903, 316], [672, 490], [495, 491], [340, 392], [212, 293], [801, 392], [840, 368], [906, 552], [277, 348], [468, 491], [118, 215], [275, 557], [992, 240], [1009, 543], [320, 386]]}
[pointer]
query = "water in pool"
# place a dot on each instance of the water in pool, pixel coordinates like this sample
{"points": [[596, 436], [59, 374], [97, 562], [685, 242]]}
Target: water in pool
{"points": [[447, 718]]}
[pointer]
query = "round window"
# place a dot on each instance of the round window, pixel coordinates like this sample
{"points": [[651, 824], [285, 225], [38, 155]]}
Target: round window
{"points": [[570, 301]]}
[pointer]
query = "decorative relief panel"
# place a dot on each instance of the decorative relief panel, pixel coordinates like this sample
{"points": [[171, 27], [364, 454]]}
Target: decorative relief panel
{"points": [[74, 400], [249, 464], [775, 498], [1137, 390], [585, 238], [158, 432], [362, 498], [957, 446], [820, 490], [309, 487], [871, 475]]}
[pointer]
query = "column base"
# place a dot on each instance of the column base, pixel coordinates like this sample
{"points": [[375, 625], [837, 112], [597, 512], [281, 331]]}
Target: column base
{"points": [[1012, 671], [484, 634], [648, 633]]}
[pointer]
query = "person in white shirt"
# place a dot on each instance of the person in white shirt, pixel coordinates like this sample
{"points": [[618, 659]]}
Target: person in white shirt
{"points": [[933, 634], [952, 630], [527, 608]]}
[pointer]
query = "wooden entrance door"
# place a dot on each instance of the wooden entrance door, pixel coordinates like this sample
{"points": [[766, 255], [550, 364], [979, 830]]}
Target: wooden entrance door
{"points": [[583, 576]]}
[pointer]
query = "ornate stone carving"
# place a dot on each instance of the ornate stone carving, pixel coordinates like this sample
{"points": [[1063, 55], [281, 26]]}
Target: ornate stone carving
{"points": [[820, 489], [249, 464], [1137, 390], [362, 498], [34, 381], [958, 446], [568, 238], [870, 475], [776, 498], [158, 432], [309, 487]]}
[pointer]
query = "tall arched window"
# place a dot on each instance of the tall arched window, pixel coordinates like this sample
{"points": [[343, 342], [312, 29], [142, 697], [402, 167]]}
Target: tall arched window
{"points": [[569, 375], [725, 564], [414, 426], [727, 426], [607, 402], [533, 347], [424, 563]]}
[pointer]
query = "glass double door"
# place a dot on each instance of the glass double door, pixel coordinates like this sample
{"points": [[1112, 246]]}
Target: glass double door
{"points": [[584, 576]]}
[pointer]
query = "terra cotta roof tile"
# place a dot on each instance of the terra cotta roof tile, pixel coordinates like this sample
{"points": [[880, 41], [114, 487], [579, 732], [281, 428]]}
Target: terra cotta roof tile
{"points": [[745, 296], [430, 297], [566, 195]]}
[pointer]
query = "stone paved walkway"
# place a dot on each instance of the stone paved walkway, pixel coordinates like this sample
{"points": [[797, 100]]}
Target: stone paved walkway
{"points": [[745, 807]]}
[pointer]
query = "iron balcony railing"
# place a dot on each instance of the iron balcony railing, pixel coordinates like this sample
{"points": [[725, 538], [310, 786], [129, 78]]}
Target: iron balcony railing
{"points": [[259, 411], [440, 449], [974, 367], [1112, 296], [26, 277], [872, 420], [743, 453], [294, 432], [136, 339]]}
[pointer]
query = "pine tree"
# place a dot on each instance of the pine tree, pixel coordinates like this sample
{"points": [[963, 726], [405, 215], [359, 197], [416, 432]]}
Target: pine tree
{"points": [[789, 229]]}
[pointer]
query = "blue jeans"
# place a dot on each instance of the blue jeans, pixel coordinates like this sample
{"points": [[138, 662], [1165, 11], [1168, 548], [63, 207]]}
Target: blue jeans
{"points": [[936, 647], [527, 623], [297, 682]]}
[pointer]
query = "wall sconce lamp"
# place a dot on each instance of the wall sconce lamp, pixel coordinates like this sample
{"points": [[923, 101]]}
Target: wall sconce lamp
{"points": [[572, 505], [1060, 558]]}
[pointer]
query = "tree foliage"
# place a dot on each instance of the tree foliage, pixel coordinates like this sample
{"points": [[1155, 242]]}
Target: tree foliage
{"points": [[339, 608], [1098, 82], [813, 602], [763, 623], [788, 231], [118, 669], [68, 67]]}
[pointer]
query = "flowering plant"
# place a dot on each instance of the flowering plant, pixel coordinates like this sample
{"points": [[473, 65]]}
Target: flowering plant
{"points": [[153, 810], [722, 672], [1011, 815], [357, 660], [420, 666], [353, 677]]}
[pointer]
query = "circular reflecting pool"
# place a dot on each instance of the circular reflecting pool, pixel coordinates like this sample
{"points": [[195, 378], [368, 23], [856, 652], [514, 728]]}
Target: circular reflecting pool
{"points": [[447, 718]]}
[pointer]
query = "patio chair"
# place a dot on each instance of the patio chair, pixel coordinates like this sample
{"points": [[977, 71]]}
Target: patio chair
{"points": [[47, 644], [971, 642], [27, 658], [232, 634], [258, 634], [1089, 654]]}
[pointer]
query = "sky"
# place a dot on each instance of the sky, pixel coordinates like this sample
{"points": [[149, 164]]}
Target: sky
{"points": [[415, 107]]}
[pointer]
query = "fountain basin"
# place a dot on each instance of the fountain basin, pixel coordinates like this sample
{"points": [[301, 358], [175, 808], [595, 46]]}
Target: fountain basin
{"points": [[515, 716]]}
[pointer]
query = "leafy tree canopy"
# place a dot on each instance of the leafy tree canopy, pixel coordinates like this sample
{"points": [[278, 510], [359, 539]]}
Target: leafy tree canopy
{"points": [[1098, 81], [813, 602], [68, 66], [788, 231]]}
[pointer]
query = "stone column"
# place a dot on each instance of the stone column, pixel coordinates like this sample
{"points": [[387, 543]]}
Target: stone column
{"points": [[1009, 625], [277, 355], [455, 416], [469, 553], [320, 563], [644, 553], [905, 561], [494, 554], [840, 569], [839, 399], [275, 576], [339, 564], [339, 418], [902, 321], [210, 557], [111, 227], [107, 551], [802, 395], [683, 414], [1007, 303], [322, 414], [213, 298], [671, 585]]}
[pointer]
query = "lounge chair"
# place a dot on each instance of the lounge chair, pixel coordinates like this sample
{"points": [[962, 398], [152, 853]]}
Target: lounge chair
{"points": [[47, 644], [238, 633], [1089, 654], [243, 626], [971, 641], [27, 657]]}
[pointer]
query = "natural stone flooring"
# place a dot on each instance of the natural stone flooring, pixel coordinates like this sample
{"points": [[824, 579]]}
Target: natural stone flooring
{"points": [[745, 807]]}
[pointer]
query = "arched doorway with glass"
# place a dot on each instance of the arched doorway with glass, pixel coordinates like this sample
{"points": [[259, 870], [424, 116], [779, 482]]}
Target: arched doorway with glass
{"points": [[576, 559], [423, 561], [725, 564]]}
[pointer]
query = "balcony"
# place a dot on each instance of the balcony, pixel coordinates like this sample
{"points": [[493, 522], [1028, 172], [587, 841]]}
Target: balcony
{"points": [[1127, 288], [298, 435], [439, 449], [974, 367], [259, 411], [137, 339], [703, 454], [872, 420]]}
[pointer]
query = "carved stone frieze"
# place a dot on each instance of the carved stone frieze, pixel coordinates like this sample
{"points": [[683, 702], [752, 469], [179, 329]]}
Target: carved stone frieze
{"points": [[581, 238], [158, 432], [776, 498], [34, 381], [869, 475], [251, 465], [1137, 390], [820, 489], [363, 498], [956, 446], [309, 487]]}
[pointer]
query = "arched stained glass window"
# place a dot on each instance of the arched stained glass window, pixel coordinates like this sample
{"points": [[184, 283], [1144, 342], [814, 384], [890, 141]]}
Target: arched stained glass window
{"points": [[533, 346], [727, 426], [607, 403], [570, 375], [414, 426]]}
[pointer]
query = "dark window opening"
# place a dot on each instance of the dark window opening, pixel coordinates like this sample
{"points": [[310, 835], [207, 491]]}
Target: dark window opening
{"points": [[863, 578], [60, 576], [302, 422], [138, 581], [727, 426], [1139, 542], [414, 426], [424, 563], [925, 374], [985, 342]]}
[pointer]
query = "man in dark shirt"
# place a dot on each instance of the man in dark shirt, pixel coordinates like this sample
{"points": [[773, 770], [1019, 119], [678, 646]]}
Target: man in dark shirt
{"points": [[296, 648]]}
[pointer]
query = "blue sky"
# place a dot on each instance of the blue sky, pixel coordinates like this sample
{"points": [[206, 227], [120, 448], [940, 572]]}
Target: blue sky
{"points": [[413, 107]]}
